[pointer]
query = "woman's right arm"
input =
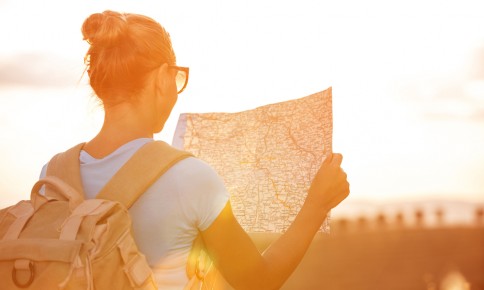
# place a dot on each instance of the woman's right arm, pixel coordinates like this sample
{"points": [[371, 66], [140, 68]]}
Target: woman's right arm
{"points": [[238, 259]]}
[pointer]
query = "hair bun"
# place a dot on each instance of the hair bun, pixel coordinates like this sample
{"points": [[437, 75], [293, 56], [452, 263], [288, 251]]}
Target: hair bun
{"points": [[104, 29]]}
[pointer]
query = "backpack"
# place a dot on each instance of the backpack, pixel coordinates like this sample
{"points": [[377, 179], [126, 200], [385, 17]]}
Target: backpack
{"points": [[59, 240]]}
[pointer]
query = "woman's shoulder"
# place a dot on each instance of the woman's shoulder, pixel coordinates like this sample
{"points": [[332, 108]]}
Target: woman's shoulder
{"points": [[193, 167], [192, 175]]}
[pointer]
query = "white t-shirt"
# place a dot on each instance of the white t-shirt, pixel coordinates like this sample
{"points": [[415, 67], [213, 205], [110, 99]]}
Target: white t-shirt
{"points": [[167, 217]]}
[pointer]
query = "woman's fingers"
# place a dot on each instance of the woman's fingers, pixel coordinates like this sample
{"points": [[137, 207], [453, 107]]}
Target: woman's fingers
{"points": [[337, 159], [334, 159]]}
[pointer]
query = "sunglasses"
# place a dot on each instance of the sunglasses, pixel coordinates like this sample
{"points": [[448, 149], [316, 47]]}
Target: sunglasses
{"points": [[181, 77]]}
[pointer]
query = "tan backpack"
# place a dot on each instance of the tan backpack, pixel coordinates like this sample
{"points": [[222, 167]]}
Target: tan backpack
{"points": [[62, 241]]}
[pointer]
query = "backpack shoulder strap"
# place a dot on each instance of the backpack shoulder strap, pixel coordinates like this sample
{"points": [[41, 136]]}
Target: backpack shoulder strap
{"points": [[66, 166], [145, 167]]}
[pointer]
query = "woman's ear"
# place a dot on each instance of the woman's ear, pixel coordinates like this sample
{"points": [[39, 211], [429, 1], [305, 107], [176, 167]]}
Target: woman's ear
{"points": [[161, 78]]}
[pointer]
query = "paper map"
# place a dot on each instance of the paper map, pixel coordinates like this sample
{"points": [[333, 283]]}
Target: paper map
{"points": [[267, 156]]}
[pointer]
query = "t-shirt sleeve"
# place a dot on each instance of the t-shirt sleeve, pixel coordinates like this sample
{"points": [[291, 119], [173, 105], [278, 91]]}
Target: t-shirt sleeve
{"points": [[43, 171], [202, 192]]}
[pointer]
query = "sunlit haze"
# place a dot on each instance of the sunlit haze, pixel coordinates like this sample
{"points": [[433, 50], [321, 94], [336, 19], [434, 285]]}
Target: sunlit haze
{"points": [[407, 79]]}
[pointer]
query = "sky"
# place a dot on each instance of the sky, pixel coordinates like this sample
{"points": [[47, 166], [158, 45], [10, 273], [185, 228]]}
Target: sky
{"points": [[407, 80]]}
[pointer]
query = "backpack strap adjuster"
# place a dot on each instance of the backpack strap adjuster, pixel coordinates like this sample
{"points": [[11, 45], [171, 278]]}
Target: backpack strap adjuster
{"points": [[23, 265]]}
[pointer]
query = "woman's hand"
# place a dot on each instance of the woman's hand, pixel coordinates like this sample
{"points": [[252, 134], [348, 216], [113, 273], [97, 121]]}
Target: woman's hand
{"points": [[329, 186]]}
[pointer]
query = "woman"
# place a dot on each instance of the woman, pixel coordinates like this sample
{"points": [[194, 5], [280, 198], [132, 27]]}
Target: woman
{"points": [[132, 69]]}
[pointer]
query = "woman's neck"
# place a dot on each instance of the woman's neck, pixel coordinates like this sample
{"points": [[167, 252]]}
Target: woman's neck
{"points": [[122, 123]]}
